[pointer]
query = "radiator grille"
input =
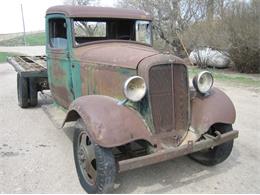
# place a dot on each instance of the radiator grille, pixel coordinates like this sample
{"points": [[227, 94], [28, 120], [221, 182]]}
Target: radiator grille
{"points": [[168, 90]]}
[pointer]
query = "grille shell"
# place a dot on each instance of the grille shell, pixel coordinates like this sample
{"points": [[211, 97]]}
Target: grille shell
{"points": [[169, 98]]}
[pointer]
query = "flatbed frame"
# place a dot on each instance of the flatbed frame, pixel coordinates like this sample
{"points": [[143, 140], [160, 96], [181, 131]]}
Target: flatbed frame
{"points": [[29, 66]]}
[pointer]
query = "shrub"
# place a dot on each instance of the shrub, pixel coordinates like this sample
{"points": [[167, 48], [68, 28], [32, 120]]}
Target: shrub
{"points": [[243, 28]]}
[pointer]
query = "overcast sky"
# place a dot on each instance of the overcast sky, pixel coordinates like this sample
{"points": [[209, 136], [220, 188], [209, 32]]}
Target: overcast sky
{"points": [[34, 13]]}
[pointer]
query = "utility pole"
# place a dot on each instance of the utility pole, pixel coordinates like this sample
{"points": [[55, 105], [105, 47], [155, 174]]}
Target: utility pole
{"points": [[24, 39]]}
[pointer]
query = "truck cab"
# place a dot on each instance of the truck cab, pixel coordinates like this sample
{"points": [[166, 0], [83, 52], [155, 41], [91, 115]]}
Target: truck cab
{"points": [[131, 105], [73, 32]]}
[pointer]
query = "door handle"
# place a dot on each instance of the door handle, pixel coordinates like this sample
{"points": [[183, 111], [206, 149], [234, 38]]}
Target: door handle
{"points": [[68, 55]]}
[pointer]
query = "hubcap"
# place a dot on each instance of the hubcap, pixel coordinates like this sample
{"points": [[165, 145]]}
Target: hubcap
{"points": [[87, 158]]}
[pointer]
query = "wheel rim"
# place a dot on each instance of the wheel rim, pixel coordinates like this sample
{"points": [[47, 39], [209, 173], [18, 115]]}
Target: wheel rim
{"points": [[87, 158]]}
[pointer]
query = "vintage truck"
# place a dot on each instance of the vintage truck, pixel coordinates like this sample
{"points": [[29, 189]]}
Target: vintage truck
{"points": [[132, 106]]}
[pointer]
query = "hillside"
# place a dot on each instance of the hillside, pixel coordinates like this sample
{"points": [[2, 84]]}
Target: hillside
{"points": [[32, 39]]}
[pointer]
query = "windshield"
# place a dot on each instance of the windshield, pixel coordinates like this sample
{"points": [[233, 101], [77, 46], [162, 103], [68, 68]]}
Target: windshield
{"points": [[89, 30]]}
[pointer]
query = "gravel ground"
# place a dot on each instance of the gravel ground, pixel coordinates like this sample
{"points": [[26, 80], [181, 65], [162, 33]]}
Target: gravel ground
{"points": [[35, 157]]}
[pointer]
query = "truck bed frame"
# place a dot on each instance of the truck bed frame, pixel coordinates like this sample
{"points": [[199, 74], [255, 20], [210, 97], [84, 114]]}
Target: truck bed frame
{"points": [[31, 77], [29, 66]]}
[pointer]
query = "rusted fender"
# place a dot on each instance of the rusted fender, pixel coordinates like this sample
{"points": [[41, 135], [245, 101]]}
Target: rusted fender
{"points": [[215, 108], [108, 123]]}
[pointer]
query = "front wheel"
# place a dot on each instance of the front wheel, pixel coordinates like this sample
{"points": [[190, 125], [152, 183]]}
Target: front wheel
{"points": [[217, 154], [95, 165]]}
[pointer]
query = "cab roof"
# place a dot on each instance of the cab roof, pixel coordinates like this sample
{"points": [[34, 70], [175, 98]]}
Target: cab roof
{"points": [[98, 12]]}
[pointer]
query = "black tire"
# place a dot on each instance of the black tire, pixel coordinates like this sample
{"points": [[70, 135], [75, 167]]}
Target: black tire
{"points": [[22, 91], [33, 92], [218, 154], [104, 163]]}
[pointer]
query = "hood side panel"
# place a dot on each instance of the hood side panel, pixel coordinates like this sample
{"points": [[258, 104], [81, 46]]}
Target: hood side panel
{"points": [[104, 80]]}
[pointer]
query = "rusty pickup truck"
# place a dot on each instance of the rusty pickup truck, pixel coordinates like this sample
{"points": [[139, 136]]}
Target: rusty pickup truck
{"points": [[132, 105]]}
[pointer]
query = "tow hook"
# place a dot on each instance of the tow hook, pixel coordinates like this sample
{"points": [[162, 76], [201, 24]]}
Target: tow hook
{"points": [[217, 137]]}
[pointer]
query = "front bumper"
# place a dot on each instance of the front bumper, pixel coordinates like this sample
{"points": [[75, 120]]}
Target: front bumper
{"points": [[174, 152]]}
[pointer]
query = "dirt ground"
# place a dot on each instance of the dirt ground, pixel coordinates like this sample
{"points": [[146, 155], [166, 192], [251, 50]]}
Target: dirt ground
{"points": [[36, 157]]}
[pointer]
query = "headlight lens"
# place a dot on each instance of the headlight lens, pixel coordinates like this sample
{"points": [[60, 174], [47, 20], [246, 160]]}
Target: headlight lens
{"points": [[203, 82], [134, 88]]}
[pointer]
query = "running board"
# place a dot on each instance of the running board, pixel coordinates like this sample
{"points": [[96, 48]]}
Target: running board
{"points": [[55, 113]]}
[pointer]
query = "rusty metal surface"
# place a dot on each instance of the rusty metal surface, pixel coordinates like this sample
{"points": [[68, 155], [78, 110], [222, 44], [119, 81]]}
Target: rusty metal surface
{"points": [[36, 67], [169, 97], [145, 64], [60, 78], [98, 12], [181, 98], [61, 95], [174, 152], [162, 97], [29, 63], [103, 80], [120, 54], [215, 108], [108, 123], [168, 94]]}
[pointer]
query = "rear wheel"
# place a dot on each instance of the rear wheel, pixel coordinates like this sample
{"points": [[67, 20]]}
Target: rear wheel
{"points": [[95, 165], [217, 154], [22, 91], [33, 92]]}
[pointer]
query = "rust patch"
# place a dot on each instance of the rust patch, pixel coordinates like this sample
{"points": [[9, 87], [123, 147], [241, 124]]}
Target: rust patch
{"points": [[173, 152], [215, 108], [168, 95], [108, 123], [85, 80], [104, 80], [118, 54], [58, 73], [61, 95], [60, 78], [98, 12], [181, 98]]}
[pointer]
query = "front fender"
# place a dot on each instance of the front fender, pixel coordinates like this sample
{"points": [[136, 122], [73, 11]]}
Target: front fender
{"points": [[215, 108], [108, 123]]}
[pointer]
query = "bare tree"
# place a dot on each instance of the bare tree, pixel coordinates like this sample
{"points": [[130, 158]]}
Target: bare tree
{"points": [[243, 24], [170, 17], [229, 26], [82, 2], [210, 9], [83, 26]]}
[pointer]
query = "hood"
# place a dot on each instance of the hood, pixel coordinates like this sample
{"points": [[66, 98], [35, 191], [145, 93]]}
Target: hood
{"points": [[127, 55]]}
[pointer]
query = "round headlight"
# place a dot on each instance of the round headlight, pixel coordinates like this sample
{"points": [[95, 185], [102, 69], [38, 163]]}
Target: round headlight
{"points": [[203, 82], [134, 88]]}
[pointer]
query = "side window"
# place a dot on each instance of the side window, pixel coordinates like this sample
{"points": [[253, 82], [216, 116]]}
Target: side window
{"points": [[58, 33]]}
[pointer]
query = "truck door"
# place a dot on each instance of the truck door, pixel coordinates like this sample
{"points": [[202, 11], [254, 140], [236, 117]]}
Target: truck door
{"points": [[58, 59]]}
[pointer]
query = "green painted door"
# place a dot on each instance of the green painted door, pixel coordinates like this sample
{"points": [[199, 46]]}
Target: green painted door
{"points": [[58, 50]]}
